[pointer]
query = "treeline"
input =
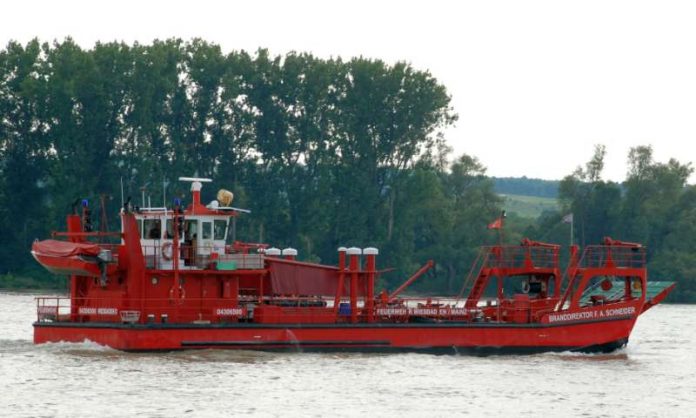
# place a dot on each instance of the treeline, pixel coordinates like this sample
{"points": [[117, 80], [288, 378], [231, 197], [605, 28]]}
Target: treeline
{"points": [[325, 152], [526, 186], [654, 206]]}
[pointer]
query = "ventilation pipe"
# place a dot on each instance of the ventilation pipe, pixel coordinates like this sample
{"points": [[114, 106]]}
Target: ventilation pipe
{"points": [[354, 255]]}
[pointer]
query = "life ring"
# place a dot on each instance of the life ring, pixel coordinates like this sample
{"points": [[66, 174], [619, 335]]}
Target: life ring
{"points": [[177, 294], [167, 251], [525, 286]]}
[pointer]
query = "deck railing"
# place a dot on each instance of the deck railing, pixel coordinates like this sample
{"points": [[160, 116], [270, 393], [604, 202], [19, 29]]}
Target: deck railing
{"points": [[597, 256], [300, 309], [161, 256], [521, 257]]}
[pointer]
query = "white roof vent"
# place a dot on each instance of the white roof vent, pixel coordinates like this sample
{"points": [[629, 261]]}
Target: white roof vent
{"points": [[370, 251], [273, 251], [342, 249], [289, 251], [354, 251]]}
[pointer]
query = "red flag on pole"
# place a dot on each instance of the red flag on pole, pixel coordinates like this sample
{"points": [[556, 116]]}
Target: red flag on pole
{"points": [[497, 224]]}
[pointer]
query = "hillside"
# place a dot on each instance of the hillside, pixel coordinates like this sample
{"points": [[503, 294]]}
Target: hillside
{"points": [[524, 186], [528, 206], [527, 197]]}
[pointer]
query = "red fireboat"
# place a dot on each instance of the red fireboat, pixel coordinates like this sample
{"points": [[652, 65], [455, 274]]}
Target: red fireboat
{"points": [[170, 281]]}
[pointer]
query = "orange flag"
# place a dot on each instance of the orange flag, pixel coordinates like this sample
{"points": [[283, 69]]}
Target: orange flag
{"points": [[497, 224]]}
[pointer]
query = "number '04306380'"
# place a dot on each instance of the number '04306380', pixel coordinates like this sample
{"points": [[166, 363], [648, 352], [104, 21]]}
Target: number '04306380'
{"points": [[229, 311]]}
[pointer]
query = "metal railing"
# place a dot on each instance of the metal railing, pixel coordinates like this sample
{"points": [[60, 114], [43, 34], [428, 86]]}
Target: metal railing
{"points": [[480, 261], [598, 256], [62, 309], [521, 257], [283, 310], [161, 256]]}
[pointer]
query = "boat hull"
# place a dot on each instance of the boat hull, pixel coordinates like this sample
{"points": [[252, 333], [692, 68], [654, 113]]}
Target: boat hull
{"points": [[474, 338]]}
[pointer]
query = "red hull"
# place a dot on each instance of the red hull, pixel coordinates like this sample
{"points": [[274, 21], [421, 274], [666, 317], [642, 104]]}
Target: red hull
{"points": [[602, 335]]}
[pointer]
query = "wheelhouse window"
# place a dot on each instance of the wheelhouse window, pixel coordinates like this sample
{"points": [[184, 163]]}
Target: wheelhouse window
{"points": [[220, 229], [152, 229], [169, 233], [191, 229], [207, 232]]}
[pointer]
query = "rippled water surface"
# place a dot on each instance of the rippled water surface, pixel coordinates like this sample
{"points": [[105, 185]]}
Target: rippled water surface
{"points": [[654, 376]]}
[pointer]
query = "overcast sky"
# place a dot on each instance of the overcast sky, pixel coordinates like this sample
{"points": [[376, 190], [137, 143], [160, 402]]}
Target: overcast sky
{"points": [[535, 83]]}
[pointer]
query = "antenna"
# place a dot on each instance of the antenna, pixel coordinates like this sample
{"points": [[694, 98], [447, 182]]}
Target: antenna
{"points": [[103, 221], [165, 183], [198, 179], [195, 189]]}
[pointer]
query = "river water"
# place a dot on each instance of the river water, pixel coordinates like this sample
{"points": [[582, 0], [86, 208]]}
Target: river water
{"points": [[654, 376]]}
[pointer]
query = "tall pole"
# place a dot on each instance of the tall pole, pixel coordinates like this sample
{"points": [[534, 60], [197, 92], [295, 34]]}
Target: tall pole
{"points": [[500, 231], [572, 227], [341, 269]]}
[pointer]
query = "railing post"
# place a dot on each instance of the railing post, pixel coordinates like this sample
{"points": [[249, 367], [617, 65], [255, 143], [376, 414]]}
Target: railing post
{"points": [[497, 303]]}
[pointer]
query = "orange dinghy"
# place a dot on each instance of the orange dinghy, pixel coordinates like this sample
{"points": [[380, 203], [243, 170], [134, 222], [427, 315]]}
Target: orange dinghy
{"points": [[72, 258]]}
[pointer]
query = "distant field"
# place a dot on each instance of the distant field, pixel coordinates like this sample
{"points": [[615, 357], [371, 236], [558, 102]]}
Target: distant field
{"points": [[528, 206]]}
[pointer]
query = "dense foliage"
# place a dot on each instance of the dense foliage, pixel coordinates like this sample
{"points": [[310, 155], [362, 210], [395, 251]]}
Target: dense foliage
{"points": [[325, 152], [653, 206]]}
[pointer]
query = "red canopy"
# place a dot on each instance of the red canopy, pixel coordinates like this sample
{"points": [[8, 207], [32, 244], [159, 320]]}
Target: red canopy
{"points": [[298, 278], [54, 248]]}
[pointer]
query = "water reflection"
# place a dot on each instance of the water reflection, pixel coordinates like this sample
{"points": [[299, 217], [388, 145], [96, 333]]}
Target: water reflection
{"points": [[592, 357]]}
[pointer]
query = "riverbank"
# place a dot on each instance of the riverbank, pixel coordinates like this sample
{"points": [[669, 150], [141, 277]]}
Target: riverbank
{"points": [[22, 283]]}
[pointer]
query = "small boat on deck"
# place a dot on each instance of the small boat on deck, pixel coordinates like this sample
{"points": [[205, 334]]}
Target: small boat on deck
{"points": [[72, 258], [174, 281]]}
